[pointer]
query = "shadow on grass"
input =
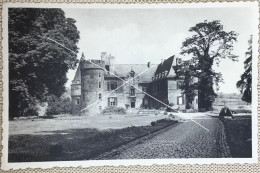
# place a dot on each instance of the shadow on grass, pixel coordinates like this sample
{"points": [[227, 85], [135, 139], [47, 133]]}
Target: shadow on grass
{"points": [[75, 144]]}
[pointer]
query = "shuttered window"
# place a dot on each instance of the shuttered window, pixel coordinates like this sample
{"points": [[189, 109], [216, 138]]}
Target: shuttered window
{"points": [[112, 101]]}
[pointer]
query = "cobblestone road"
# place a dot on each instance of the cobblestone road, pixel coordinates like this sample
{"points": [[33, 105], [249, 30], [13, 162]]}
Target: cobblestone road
{"points": [[185, 140]]}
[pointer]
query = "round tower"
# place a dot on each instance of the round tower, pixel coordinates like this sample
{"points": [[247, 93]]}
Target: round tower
{"points": [[92, 85]]}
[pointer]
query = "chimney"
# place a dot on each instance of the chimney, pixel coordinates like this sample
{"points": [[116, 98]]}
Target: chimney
{"points": [[103, 55], [162, 61], [111, 63]]}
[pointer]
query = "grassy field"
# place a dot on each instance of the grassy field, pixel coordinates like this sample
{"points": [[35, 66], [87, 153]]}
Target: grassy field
{"points": [[239, 135], [67, 122], [76, 144]]}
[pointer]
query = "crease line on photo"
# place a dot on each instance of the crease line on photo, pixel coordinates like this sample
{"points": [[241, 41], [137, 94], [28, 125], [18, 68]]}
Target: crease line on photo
{"points": [[125, 82]]}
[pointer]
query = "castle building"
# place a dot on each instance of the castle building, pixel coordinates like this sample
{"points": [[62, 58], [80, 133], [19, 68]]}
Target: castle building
{"points": [[102, 83]]}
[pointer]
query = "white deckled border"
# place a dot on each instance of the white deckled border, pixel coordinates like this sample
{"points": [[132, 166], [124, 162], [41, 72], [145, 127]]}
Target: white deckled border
{"points": [[153, 165]]}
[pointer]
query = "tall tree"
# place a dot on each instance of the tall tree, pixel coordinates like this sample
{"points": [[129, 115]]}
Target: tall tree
{"points": [[209, 44], [245, 82], [37, 66]]}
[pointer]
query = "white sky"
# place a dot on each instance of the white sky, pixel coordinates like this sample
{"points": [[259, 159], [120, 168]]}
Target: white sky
{"points": [[149, 35]]}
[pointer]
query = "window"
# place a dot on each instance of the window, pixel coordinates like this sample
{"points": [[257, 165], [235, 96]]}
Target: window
{"points": [[144, 89], [99, 75], [83, 84], [77, 101], [179, 84], [108, 86], [112, 101], [113, 85], [132, 91], [180, 100], [99, 84], [100, 108], [132, 104], [77, 81], [99, 96]]}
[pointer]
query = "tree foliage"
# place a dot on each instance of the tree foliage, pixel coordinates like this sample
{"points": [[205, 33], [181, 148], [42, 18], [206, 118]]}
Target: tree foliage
{"points": [[245, 82], [58, 105], [209, 44], [37, 66]]}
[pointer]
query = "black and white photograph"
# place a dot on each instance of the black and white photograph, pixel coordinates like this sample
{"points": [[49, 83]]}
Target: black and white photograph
{"points": [[123, 84]]}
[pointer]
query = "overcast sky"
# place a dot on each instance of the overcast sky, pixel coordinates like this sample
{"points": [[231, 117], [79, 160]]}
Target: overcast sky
{"points": [[149, 35]]}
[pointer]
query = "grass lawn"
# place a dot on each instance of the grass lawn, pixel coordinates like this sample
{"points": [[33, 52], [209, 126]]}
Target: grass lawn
{"points": [[67, 122], [76, 144], [239, 135]]}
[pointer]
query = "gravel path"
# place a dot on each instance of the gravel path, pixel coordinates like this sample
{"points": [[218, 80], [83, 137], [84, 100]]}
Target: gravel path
{"points": [[186, 140]]}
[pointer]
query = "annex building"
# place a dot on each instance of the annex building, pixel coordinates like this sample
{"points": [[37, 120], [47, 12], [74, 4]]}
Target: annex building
{"points": [[94, 88]]}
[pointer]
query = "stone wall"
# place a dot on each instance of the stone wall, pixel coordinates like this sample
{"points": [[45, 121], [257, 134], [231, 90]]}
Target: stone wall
{"points": [[75, 98], [75, 105], [92, 85]]}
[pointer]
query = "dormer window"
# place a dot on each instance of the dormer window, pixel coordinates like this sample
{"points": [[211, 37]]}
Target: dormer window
{"points": [[107, 68], [165, 72], [132, 73], [113, 85]]}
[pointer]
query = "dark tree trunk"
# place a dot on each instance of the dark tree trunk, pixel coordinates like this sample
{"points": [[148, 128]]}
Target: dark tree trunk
{"points": [[206, 94]]}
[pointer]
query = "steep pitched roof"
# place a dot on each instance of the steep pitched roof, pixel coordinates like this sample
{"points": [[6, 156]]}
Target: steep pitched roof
{"points": [[77, 76], [165, 66], [122, 70]]}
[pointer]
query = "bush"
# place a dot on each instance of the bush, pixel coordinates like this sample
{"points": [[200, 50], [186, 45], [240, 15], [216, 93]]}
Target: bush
{"points": [[163, 121], [115, 110], [27, 109], [58, 106]]}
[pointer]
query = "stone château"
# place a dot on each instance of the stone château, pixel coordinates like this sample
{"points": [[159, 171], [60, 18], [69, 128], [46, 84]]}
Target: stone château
{"points": [[96, 87]]}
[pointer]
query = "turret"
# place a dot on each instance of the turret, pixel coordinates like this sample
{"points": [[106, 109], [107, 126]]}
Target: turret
{"points": [[92, 84], [76, 93]]}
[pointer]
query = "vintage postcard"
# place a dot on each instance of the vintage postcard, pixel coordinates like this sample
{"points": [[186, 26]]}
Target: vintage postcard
{"points": [[129, 84]]}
